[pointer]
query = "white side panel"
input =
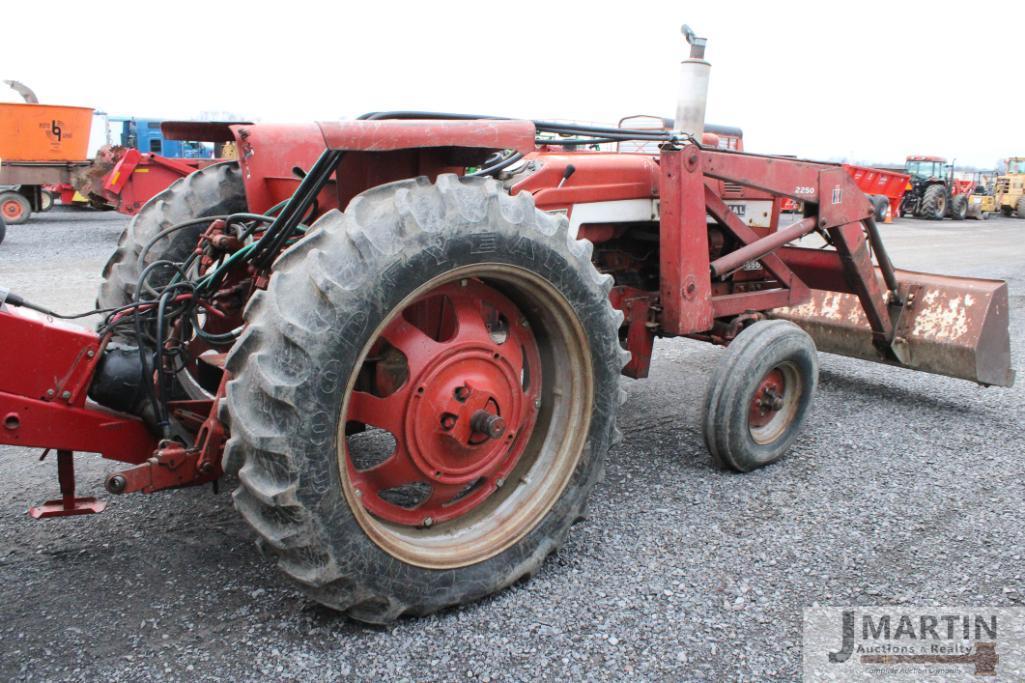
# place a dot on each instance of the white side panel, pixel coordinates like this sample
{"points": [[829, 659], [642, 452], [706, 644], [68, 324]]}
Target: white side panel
{"points": [[756, 213], [619, 211]]}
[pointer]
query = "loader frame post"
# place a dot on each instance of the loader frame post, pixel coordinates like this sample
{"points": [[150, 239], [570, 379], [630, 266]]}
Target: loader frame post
{"points": [[686, 289]]}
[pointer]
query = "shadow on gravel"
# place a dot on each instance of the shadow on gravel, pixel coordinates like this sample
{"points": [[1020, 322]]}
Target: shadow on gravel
{"points": [[883, 392], [325, 617]]}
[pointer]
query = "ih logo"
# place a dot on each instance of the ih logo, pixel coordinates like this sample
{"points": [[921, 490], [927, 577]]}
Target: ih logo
{"points": [[55, 129], [837, 195]]}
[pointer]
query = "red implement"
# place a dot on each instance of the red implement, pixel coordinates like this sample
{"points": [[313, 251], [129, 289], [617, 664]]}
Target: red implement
{"points": [[875, 181]]}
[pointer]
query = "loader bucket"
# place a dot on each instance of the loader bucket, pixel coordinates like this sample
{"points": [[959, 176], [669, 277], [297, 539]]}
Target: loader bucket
{"points": [[950, 326]]}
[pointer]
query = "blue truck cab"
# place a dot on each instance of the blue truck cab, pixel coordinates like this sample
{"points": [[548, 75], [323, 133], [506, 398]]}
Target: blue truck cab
{"points": [[145, 136]]}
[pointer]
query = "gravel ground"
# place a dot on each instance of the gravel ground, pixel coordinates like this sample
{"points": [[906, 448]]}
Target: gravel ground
{"points": [[905, 488]]}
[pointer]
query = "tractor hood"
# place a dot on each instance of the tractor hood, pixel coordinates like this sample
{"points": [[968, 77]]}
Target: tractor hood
{"points": [[392, 134]]}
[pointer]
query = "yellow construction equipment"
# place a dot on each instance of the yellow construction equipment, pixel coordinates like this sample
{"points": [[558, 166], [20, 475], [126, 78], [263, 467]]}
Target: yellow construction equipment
{"points": [[1009, 189], [1003, 193]]}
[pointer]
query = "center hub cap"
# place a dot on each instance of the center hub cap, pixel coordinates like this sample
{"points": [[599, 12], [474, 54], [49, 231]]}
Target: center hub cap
{"points": [[768, 399], [459, 396]]}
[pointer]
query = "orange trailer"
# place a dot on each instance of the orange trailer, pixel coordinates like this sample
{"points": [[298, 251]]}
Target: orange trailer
{"points": [[40, 144], [44, 132]]}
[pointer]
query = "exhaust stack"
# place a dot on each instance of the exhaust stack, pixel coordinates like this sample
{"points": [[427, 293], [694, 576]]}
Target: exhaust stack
{"points": [[694, 72]]}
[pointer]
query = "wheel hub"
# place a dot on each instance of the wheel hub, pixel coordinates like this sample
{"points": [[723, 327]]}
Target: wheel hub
{"points": [[463, 409], [459, 413], [11, 210], [768, 399]]}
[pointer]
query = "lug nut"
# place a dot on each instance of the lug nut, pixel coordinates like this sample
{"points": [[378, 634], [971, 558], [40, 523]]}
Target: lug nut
{"points": [[462, 393], [771, 400], [448, 421], [485, 423]]}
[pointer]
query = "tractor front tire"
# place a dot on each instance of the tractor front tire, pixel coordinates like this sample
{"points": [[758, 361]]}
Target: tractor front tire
{"points": [[14, 207], [211, 191], [934, 203], [958, 207], [759, 395], [1019, 210], [3, 229], [347, 405], [907, 207]]}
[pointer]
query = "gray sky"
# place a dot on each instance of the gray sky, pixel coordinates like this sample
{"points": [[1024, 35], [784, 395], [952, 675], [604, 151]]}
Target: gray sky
{"points": [[863, 80]]}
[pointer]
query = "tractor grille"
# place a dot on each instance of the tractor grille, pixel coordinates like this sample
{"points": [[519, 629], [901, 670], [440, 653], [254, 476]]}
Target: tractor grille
{"points": [[1003, 184], [732, 189]]}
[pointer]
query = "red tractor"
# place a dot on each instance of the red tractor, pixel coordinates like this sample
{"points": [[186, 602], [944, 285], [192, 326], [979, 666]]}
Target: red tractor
{"points": [[413, 370], [932, 191]]}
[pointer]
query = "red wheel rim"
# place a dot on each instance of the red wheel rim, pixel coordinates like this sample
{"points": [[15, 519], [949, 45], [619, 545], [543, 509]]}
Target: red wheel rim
{"points": [[459, 402], [775, 403], [12, 210]]}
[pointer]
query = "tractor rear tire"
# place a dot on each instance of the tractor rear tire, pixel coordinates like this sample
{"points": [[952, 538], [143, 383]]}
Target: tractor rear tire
{"points": [[934, 203], [3, 230], [958, 207], [214, 190], [1019, 210], [304, 381], [759, 395], [15, 207]]}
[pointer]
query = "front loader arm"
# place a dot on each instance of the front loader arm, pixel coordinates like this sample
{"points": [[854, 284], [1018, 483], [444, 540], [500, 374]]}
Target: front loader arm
{"points": [[837, 208], [849, 302]]}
